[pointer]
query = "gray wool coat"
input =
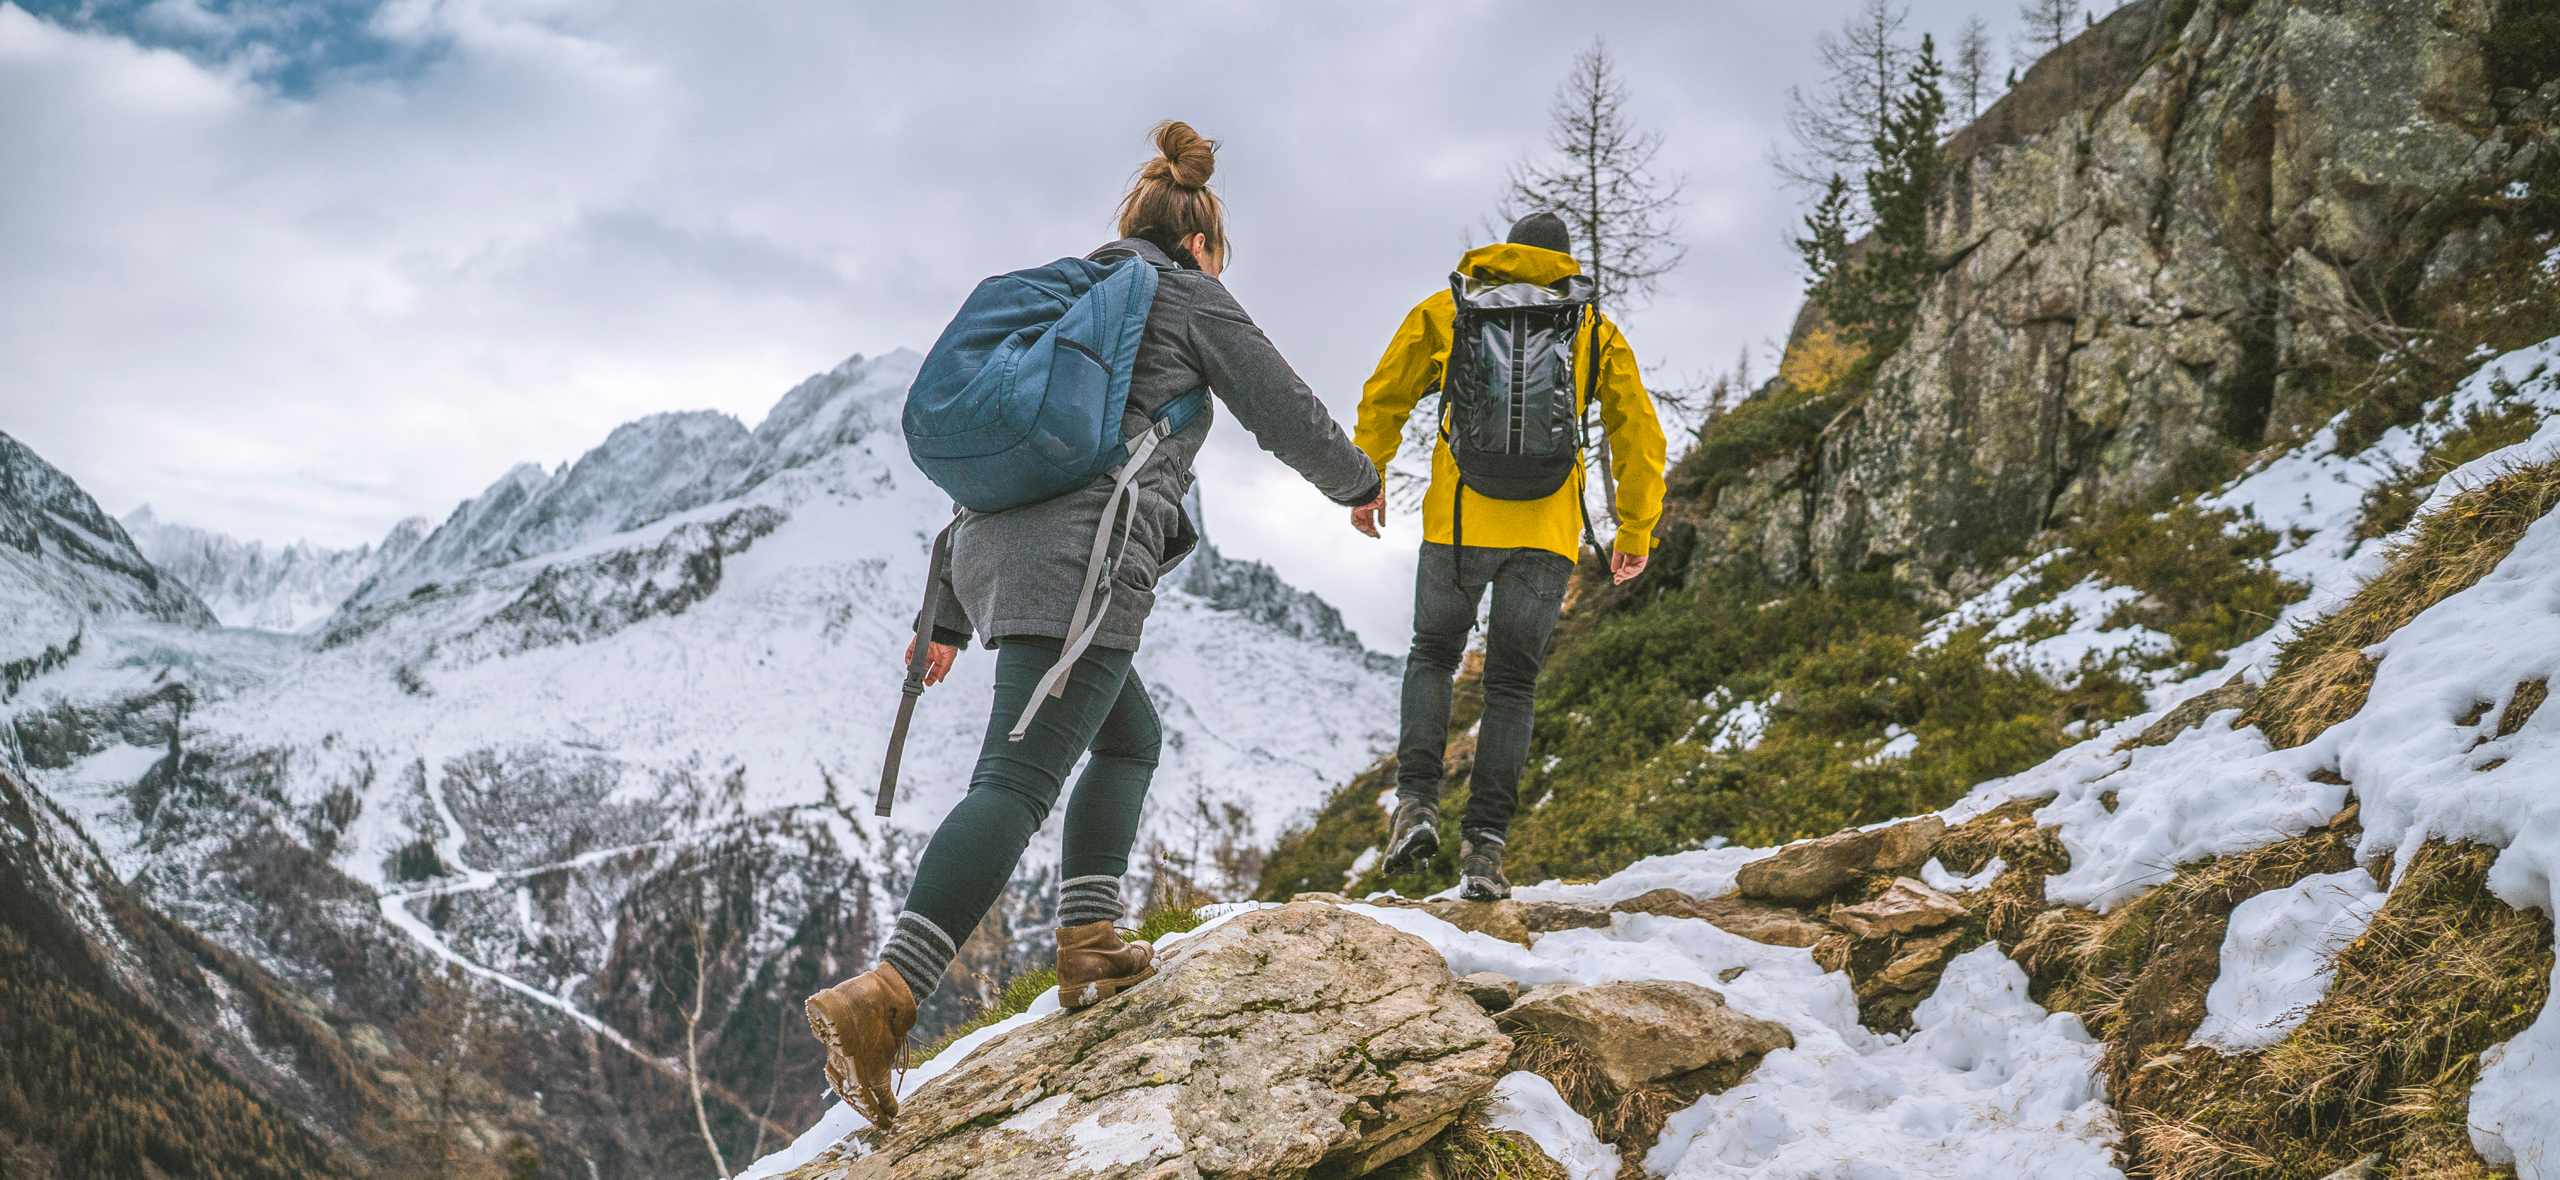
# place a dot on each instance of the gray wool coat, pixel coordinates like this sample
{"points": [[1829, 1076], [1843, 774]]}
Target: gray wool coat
{"points": [[1018, 572]]}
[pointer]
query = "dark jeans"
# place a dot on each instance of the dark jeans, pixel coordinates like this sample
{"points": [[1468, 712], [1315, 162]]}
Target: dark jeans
{"points": [[1528, 590], [1106, 710]]}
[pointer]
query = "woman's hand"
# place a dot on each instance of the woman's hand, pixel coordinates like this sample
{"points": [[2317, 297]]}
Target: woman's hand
{"points": [[1622, 566], [937, 660], [1370, 517]]}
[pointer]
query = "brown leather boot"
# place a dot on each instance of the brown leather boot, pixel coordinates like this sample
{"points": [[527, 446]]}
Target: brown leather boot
{"points": [[864, 1023], [1094, 965]]}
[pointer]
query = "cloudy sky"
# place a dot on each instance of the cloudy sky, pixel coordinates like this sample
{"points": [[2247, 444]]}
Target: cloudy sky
{"points": [[299, 268]]}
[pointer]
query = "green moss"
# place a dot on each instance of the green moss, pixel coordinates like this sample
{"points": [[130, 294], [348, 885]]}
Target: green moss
{"points": [[1622, 766]]}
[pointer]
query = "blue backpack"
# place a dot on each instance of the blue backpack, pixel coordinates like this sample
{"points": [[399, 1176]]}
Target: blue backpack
{"points": [[1021, 398], [1020, 401]]}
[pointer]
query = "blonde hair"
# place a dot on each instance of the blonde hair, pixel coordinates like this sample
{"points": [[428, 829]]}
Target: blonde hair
{"points": [[1170, 199]]}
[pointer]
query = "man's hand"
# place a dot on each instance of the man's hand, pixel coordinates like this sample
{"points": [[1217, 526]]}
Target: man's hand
{"points": [[1623, 566], [937, 660], [1372, 516]]}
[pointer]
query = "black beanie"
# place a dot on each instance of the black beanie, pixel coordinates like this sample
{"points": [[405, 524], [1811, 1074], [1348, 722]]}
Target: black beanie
{"points": [[1546, 231]]}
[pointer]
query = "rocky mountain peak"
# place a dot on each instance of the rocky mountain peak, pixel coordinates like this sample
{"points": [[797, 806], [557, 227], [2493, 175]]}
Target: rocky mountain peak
{"points": [[647, 470], [65, 562]]}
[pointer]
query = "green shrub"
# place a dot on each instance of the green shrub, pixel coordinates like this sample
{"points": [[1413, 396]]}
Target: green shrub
{"points": [[2202, 573]]}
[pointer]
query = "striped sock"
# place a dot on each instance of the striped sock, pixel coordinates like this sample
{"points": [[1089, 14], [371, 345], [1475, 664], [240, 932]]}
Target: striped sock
{"points": [[1085, 900], [920, 951]]}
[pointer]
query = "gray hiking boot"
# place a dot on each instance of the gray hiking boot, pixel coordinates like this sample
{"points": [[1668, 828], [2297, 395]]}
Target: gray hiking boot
{"points": [[1480, 867], [1415, 838]]}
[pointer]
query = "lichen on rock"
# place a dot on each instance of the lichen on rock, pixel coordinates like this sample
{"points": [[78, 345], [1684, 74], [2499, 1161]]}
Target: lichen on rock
{"points": [[1299, 1040]]}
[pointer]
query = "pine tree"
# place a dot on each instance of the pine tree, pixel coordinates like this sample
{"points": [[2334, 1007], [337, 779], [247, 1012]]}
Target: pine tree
{"points": [[1876, 296], [1825, 245], [1603, 184], [1836, 125]]}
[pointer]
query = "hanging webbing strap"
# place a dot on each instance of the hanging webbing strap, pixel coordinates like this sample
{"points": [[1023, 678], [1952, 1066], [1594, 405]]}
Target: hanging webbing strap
{"points": [[919, 657], [1090, 611]]}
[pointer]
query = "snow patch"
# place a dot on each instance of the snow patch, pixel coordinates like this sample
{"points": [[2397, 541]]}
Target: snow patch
{"points": [[2277, 958], [1529, 1104]]}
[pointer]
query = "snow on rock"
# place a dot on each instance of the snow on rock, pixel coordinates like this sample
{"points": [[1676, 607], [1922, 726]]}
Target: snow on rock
{"points": [[2276, 959], [1989, 1085], [1700, 872], [65, 566], [1529, 1104]]}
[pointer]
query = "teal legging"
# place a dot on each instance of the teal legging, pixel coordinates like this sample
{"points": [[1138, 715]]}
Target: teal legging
{"points": [[1105, 709]]}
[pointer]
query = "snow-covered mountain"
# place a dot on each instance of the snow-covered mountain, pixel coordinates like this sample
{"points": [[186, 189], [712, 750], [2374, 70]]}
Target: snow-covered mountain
{"points": [[65, 565], [646, 471], [246, 584], [663, 671]]}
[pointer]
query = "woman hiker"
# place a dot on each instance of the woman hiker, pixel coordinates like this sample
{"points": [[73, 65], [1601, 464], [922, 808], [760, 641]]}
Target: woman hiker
{"points": [[1014, 577]]}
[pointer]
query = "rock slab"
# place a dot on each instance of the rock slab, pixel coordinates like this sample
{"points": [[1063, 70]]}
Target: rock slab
{"points": [[1645, 1031], [1759, 921], [1905, 907], [1813, 870], [1286, 1040]]}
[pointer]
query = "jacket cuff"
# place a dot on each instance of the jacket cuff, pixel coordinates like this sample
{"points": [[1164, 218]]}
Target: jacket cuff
{"points": [[949, 637], [1375, 486]]}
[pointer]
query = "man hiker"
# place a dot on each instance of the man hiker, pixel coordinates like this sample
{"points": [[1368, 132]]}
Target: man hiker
{"points": [[1506, 508]]}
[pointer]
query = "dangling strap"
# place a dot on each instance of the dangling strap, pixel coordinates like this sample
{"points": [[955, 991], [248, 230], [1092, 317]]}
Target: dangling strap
{"points": [[918, 657], [1458, 533], [1089, 613]]}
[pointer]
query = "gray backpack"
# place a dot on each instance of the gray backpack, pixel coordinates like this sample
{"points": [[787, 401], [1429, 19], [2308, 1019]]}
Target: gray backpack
{"points": [[1507, 404]]}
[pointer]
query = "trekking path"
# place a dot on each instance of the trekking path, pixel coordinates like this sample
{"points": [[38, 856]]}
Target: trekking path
{"points": [[1989, 1084]]}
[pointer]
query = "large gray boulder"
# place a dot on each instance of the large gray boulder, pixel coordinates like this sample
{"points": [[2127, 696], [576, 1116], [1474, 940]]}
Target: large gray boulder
{"points": [[1291, 1039], [1645, 1031]]}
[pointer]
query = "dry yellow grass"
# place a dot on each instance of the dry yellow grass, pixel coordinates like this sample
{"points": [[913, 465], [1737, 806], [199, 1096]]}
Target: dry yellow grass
{"points": [[2322, 676], [2384, 1064]]}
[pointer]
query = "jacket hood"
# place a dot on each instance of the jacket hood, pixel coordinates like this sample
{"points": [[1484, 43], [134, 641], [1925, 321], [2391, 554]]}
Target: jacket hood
{"points": [[1515, 263]]}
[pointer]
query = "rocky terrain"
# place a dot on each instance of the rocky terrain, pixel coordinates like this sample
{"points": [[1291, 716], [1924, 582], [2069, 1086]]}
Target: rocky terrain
{"points": [[2099, 731], [2181, 238]]}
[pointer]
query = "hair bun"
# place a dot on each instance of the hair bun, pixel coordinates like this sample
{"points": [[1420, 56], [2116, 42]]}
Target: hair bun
{"points": [[1182, 155]]}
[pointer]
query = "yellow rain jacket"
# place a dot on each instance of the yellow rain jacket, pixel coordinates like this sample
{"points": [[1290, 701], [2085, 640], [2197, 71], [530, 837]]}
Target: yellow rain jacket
{"points": [[1411, 370]]}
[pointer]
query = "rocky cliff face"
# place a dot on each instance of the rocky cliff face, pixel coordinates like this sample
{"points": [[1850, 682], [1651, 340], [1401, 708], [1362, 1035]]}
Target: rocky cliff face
{"points": [[2183, 237]]}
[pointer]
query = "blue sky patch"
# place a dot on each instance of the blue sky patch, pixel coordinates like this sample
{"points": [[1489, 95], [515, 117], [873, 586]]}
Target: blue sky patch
{"points": [[292, 45]]}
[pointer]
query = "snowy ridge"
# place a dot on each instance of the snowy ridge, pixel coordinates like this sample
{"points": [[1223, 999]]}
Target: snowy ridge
{"points": [[292, 588], [64, 566], [507, 749], [646, 471]]}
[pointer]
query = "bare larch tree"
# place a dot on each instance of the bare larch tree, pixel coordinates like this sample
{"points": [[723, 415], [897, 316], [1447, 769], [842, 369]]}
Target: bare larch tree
{"points": [[1602, 182], [1974, 66], [1836, 124], [2046, 24]]}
